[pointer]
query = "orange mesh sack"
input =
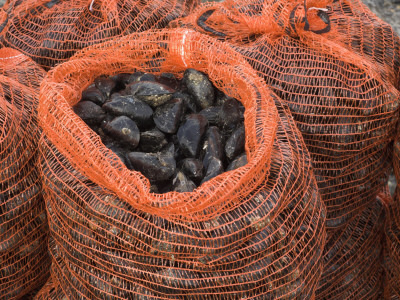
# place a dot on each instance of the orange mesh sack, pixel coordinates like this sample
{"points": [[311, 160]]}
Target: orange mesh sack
{"points": [[24, 260], [255, 232], [339, 83], [52, 31], [353, 257]]}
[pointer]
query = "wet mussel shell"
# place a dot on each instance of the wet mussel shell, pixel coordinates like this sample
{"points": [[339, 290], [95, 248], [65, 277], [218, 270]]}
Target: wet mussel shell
{"points": [[179, 133]]}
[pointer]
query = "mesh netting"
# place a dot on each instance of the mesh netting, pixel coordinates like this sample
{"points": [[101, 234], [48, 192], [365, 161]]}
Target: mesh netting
{"points": [[336, 67], [24, 261], [52, 31], [392, 262], [374, 40], [396, 156], [51, 290], [257, 231], [353, 258]]}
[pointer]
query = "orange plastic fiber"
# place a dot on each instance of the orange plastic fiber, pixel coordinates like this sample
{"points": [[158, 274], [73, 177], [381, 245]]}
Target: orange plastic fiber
{"points": [[51, 290], [396, 156], [52, 31], [336, 66], [353, 257], [392, 262], [24, 261], [257, 231]]}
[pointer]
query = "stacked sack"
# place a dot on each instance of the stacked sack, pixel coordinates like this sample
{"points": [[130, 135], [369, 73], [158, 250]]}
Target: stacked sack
{"points": [[336, 66], [52, 31], [256, 232], [345, 103], [332, 65], [24, 260]]}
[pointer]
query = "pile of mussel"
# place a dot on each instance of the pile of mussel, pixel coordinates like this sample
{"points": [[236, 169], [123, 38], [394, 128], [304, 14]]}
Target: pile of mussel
{"points": [[179, 133]]}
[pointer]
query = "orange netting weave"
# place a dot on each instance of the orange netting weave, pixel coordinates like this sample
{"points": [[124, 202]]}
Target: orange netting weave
{"points": [[396, 156], [24, 260], [336, 66], [392, 262], [353, 257], [52, 31], [257, 231], [51, 290]]}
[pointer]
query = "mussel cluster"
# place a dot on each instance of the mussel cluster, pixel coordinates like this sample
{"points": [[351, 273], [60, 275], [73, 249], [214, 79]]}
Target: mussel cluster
{"points": [[177, 133]]}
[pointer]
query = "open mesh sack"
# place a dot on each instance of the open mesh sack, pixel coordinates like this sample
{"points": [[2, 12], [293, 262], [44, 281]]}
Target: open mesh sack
{"points": [[52, 31], [24, 260], [336, 67], [255, 232]]}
